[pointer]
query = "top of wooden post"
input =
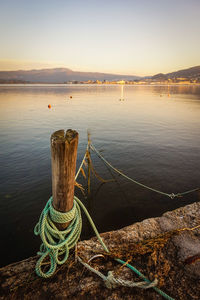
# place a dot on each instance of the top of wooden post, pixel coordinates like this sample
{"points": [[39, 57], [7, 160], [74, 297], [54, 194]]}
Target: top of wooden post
{"points": [[63, 156], [60, 136]]}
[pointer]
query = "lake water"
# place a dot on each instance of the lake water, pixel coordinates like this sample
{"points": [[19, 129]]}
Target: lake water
{"points": [[151, 136]]}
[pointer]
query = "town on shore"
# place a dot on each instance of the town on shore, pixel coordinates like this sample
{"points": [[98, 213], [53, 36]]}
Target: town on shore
{"points": [[67, 76], [145, 81]]}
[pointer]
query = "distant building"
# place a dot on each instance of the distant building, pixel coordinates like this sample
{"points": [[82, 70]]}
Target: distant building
{"points": [[121, 82]]}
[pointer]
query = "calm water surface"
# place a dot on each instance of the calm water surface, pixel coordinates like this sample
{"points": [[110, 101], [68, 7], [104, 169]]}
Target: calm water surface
{"points": [[151, 137]]}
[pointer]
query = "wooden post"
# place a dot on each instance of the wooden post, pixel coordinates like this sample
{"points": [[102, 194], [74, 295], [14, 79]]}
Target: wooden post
{"points": [[63, 159]]}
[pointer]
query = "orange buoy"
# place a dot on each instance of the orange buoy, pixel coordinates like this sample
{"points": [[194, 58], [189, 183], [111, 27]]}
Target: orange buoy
{"points": [[49, 106], [70, 97]]}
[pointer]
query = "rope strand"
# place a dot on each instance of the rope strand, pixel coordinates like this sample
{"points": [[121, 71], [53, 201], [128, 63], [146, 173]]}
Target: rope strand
{"points": [[57, 243], [172, 195]]}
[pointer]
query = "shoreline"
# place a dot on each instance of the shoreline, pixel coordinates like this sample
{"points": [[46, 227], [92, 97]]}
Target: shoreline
{"points": [[97, 84], [164, 247]]}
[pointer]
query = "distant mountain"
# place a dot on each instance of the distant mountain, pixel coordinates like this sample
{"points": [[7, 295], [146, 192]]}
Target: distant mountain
{"points": [[159, 77], [62, 75], [188, 73], [58, 75], [191, 73]]}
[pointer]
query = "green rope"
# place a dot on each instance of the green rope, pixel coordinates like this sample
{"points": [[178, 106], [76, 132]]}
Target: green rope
{"points": [[56, 243], [145, 279], [112, 282], [117, 259]]}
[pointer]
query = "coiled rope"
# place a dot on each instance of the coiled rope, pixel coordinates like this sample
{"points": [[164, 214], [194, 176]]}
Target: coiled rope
{"points": [[172, 195], [57, 243]]}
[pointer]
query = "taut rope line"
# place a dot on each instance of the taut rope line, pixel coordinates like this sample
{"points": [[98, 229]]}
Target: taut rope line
{"points": [[172, 195], [57, 243]]}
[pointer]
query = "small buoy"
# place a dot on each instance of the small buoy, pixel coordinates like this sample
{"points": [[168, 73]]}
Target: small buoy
{"points": [[70, 97], [49, 106]]}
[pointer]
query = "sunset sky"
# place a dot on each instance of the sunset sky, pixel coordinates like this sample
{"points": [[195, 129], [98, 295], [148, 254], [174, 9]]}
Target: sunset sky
{"points": [[126, 37]]}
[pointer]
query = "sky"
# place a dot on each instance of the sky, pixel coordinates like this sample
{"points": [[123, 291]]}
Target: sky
{"points": [[133, 37]]}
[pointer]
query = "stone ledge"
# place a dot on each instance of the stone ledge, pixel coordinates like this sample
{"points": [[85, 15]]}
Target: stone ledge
{"points": [[154, 246]]}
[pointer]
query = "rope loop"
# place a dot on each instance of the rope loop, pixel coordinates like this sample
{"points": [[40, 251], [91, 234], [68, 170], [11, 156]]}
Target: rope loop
{"points": [[112, 282], [56, 243], [60, 217]]}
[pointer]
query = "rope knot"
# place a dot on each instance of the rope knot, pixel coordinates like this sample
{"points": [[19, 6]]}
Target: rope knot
{"points": [[172, 196], [112, 282]]}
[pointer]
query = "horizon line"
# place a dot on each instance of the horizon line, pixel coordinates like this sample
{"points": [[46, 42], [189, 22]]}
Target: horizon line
{"points": [[98, 72]]}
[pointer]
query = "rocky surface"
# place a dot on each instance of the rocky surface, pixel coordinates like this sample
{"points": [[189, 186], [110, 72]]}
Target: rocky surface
{"points": [[164, 248]]}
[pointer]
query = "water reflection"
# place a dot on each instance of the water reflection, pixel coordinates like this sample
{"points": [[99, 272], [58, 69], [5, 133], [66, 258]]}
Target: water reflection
{"points": [[150, 138]]}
